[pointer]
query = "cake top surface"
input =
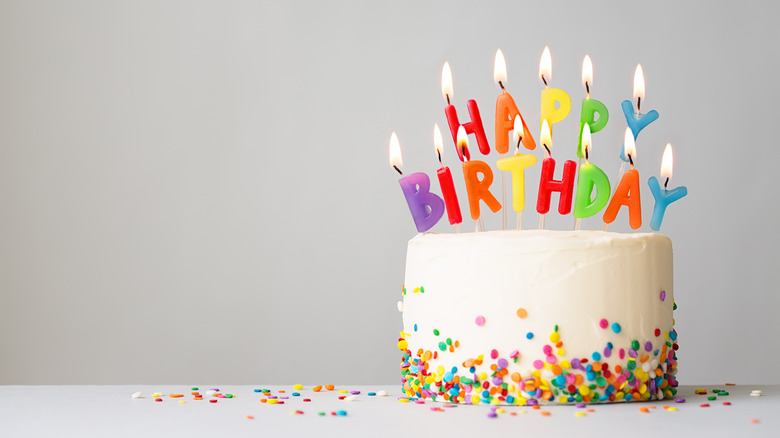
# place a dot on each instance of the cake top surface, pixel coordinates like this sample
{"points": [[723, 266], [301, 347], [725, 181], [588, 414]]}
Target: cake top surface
{"points": [[548, 239]]}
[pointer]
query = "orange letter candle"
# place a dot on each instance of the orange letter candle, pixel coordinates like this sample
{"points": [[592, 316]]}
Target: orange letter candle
{"points": [[627, 193], [507, 112], [478, 189]]}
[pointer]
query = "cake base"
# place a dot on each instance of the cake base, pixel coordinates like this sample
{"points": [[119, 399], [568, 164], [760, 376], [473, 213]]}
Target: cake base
{"points": [[538, 317]]}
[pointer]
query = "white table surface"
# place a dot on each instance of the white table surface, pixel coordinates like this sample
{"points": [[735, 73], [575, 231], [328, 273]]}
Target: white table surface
{"points": [[108, 411]]}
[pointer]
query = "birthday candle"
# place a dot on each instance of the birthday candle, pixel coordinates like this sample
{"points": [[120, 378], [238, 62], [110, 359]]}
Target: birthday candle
{"points": [[635, 119], [627, 191], [507, 112], [551, 96], [516, 164], [473, 127], [590, 177], [664, 197], [547, 184], [477, 189], [590, 107], [426, 207], [445, 181]]}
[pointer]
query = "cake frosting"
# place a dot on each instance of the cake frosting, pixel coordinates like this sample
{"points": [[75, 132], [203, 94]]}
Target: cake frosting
{"points": [[534, 317]]}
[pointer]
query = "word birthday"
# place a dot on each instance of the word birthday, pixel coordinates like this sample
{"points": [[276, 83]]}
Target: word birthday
{"points": [[594, 191]]}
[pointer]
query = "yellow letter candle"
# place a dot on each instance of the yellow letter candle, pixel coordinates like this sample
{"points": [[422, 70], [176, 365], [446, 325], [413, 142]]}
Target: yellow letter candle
{"points": [[552, 95]]}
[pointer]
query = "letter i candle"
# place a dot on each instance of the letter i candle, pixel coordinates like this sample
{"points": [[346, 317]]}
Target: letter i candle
{"points": [[446, 183]]}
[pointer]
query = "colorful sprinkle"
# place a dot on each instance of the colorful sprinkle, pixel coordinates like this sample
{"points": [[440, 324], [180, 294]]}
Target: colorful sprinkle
{"points": [[663, 295], [616, 327], [603, 323], [480, 320], [522, 313], [529, 335]]}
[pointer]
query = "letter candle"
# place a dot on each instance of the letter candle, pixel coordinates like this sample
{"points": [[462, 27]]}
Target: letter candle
{"points": [[426, 207], [590, 177], [473, 127], [627, 192], [635, 119], [446, 183], [590, 108], [547, 184], [507, 116], [552, 95], [664, 197], [477, 189], [516, 164]]}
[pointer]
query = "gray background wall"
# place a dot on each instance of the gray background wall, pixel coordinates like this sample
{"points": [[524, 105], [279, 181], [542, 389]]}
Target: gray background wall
{"points": [[199, 192]]}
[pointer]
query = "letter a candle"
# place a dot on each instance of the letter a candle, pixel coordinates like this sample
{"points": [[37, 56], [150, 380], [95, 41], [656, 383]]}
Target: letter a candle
{"points": [[507, 116], [627, 191]]}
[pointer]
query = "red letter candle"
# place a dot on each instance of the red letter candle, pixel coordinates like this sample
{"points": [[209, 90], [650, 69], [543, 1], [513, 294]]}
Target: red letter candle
{"points": [[507, 112], [473, 127], [547, 184], [426, 207], [627, 193], [445, 181], [478, 189]]}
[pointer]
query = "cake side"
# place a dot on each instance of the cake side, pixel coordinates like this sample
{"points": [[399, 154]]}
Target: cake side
{"points": [[538, 316]]}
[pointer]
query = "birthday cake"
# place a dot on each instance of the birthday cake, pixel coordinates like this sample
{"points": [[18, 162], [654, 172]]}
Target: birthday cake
{"points": [[538, 317]]}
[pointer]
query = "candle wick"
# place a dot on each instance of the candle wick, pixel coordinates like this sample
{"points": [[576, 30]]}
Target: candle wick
{"points": [[519, 140], [666, 182], [587, 88], [397, 169], [638, 103], [438, 152], [586, 154], [545, 81], [448, 99], [501, 85], [631, 160], [463, 153], [547, 149]]}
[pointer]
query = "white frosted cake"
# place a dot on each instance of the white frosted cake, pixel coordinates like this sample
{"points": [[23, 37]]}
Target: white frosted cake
{"points": [[535, 317]]}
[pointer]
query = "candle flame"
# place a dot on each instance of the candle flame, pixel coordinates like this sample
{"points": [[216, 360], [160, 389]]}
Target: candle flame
{"points": [[499, 68], [519, 126], [639, 83], [395, 151], [666, 162], [586, 139], [545, 65], [438, 144], [446, 81], [546, 136], [629, 146], [463, 141], [587, 72]]}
